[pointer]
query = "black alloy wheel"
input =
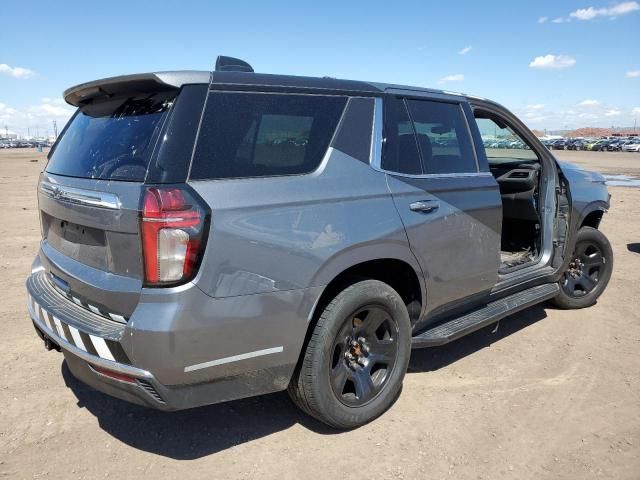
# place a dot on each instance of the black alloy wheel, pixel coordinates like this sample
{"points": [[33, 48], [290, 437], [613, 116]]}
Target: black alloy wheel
{"points": [[584, 270], [364, 355]]}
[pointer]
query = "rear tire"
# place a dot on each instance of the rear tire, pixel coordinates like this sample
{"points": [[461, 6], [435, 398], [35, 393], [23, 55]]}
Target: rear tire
{"points": [[588, 273], [352, 368]]}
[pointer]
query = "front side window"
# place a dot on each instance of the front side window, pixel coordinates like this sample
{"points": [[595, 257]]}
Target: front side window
{"points": [[501, 142], [257, 135], [443, 137]]}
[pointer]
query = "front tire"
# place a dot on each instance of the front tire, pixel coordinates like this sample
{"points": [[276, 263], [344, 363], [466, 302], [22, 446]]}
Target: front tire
{"points": [[354, 363], [588, 272]]}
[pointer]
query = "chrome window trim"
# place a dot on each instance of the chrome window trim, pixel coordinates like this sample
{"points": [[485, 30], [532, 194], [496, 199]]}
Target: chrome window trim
{"points": [[377, 141], [80, 196], [375, 159]]}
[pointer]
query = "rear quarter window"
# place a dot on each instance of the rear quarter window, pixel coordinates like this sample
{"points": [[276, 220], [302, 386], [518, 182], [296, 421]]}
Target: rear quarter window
{"points": [[259, 134]]}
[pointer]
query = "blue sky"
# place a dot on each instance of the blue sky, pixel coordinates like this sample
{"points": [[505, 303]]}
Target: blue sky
{"points": [[556, 64]]}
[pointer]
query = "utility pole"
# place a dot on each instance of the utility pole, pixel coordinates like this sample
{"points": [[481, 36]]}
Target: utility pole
{"points": [[55, 130]]}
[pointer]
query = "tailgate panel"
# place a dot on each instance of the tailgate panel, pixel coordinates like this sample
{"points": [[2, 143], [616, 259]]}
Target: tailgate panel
{"points": [[91, 239]]}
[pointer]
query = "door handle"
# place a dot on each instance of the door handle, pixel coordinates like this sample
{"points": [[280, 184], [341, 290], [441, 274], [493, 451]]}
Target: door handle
{"points": [[424, 206]]}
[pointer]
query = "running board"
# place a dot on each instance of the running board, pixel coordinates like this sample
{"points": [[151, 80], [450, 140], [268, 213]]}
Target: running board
{"points": [[490, 313]]}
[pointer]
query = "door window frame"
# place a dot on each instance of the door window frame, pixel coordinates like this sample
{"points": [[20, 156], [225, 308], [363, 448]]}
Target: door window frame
{"points": [[511, 125], [378, 134], [549, 179]]}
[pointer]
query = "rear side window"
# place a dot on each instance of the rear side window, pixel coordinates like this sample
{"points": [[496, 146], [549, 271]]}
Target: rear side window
{"points": [[260, 134], [400, 153], [111, 140], [443, 137]]}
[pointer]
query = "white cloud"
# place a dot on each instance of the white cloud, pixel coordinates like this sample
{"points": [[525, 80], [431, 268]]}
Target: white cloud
{"points": [[35, 117], [465, 50], [614, 11], [535, 106], [16, 72], [532, 117], [6, 111], [543, 19], [560, 20], [458, 77], [601, 115], [633, 74], [553, 62], [589, 103], [50, 110]]}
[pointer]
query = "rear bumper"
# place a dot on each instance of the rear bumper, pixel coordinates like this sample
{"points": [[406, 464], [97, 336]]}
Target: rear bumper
{"points": [[181, 348], [142, 387], [86, 366]]}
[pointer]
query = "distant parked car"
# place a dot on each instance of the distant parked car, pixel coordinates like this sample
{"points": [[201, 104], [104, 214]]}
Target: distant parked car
{"points": [[631, 146], [615, 145], [560, 144], [577, 145], [594, 145], [590, 144], [601, 146]]}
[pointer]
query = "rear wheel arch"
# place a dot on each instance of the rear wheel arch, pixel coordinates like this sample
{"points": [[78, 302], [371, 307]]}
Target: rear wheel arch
{"points": [[398, 274]]}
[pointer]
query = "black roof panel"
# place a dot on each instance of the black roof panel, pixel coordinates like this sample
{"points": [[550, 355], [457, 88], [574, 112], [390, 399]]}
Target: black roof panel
{"points": [[275, 82]]}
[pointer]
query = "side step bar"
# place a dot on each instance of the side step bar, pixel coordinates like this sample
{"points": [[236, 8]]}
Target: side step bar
{"points": [[490, 313]]}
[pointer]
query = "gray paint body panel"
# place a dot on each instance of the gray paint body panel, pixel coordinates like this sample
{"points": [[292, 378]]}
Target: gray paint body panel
{"points": [[589, 191], [457, 245], [105, 268], [287, 233]]}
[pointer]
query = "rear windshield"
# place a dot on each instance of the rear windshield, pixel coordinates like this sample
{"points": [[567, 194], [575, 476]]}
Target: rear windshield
{"points": [[111, 140], [264, 134]]}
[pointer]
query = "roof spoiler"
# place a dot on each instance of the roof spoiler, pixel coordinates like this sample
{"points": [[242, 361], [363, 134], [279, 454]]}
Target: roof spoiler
{"points": [[131, 84], [230, 64]]}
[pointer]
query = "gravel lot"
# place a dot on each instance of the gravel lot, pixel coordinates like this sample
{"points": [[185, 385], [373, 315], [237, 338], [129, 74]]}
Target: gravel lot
{"points": [[551, 394]]}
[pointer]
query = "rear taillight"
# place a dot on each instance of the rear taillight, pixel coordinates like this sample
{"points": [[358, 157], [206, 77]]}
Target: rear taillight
{"points": [[173, 225]]}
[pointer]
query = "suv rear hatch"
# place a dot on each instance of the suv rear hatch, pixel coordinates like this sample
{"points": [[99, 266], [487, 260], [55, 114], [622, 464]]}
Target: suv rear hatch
{"points": [[91, 192]]}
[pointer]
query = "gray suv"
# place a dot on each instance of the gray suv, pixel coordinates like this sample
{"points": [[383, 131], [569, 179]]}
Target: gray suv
{"points": [[208, 236]]}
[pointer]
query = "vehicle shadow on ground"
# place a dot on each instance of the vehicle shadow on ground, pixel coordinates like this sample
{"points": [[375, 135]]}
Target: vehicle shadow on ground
{"points": [[435, 358], [203, 431], [194, 433], [633, 247]]}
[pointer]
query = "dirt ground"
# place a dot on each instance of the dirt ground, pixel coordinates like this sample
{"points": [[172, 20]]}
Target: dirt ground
{"points": [[552, 394]]}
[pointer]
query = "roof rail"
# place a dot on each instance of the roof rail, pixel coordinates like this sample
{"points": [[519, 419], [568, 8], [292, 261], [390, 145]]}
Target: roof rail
{"points": [[230, 64]]}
